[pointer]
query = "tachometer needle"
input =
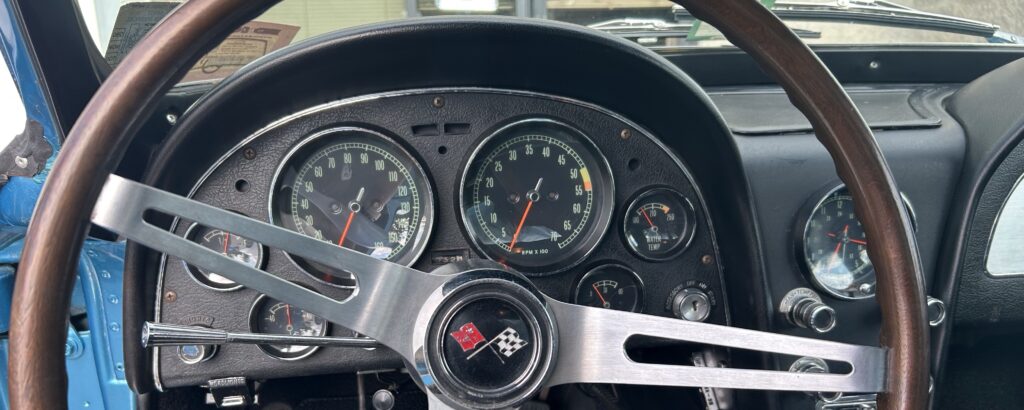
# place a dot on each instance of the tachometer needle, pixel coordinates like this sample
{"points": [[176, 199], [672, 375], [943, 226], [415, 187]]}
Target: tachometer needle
{"points": [[859, 241], [531, 197], [227, 240]]}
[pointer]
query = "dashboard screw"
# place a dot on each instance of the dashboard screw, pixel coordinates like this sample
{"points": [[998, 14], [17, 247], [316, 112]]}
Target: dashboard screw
{"points": [[172, 118], [438, 102], [249, 153], [706, 259], [170, 296], [874, 64], [625, 134]]}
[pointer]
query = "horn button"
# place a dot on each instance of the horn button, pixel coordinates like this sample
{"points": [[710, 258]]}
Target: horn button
{"points": [[491, 342]]}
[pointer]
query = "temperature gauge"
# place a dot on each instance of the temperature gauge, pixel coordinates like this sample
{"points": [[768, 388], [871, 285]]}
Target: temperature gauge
{"points": [[659, 224], [270, 316], [246, 251], [611, 287]]}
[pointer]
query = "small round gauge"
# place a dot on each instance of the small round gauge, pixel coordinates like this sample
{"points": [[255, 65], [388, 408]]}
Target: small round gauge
{"points": [[356, 189], [270, 316], [659, 224], [537, 196], [246, 251], [835, 248], [610, 287]]}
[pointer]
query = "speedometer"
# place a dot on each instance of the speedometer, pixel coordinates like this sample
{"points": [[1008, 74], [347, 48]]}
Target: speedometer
{"points": [[356, 189], [537, 196]]}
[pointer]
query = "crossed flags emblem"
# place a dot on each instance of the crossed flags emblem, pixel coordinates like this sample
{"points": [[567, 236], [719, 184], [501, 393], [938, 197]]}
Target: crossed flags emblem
{"points": [[508, 341]]}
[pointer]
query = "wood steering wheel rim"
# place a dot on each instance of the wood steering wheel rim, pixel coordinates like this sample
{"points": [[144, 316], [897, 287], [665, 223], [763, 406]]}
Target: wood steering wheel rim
{"points": [[46, 276]]}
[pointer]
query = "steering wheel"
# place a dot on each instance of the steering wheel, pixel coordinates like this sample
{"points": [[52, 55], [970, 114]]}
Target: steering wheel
{"points": [[423, 316]]}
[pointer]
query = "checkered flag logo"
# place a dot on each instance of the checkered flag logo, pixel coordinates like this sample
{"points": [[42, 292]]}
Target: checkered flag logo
{"points": [[509, 342]]}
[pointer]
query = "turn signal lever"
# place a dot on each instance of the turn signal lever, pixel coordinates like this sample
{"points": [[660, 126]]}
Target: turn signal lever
{"points": [[163, 334]]}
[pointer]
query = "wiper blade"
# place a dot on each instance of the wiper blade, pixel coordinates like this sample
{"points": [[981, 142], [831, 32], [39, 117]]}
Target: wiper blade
{"points": [[652, 31], [882, 12]]}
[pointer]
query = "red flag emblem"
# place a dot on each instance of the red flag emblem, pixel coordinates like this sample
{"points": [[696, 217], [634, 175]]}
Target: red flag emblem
{"points": [[468, 336]]}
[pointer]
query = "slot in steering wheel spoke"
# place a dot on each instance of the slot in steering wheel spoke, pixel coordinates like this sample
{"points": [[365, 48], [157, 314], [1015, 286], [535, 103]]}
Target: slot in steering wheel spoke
{"points": [[597, 355], [383, 307]]}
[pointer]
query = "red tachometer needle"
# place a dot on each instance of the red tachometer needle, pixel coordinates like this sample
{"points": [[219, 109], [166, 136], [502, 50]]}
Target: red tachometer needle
{"points": [[227, 240], [600, 296], [515, 236], [531, 197], [344, 232], [859, 241]]}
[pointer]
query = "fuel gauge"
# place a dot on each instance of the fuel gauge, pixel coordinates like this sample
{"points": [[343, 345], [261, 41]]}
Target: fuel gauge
{"points": [[246, 251], [610, 287]]}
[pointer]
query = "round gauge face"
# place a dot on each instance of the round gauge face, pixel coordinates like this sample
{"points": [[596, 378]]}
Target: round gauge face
{"points": [[270, 316], [537, 196], [246, 251], [835, 248], [659, 224], [610, 287], [355, 189]]}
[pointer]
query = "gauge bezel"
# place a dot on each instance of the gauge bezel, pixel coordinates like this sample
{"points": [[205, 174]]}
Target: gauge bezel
{"points": [[426, 228], [257, 304], [193, 270], [588, 244], [804, 225], [641, 302], [682, 245]]}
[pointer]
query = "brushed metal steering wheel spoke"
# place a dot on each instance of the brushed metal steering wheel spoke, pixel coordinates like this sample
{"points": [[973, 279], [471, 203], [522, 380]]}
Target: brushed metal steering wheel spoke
{"points": [[598, 355], [383, 307]]}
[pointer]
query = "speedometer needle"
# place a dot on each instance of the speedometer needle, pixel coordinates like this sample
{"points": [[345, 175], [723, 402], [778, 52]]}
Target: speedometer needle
{"points": [[353, 208], [531, 197]]}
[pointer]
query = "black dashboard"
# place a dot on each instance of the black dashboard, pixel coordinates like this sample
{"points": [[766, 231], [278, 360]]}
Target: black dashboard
{"points": [[445, 134], [443, 125]]}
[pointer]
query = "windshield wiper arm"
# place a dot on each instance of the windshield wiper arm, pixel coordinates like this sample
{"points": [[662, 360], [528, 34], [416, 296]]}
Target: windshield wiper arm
{"points": [[637, 29], [884, 12]]}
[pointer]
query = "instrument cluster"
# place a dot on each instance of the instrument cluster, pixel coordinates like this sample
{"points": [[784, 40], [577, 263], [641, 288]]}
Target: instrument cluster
{"points": [[592, 208]]}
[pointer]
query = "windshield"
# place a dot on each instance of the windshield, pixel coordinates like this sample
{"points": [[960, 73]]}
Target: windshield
{"points": [[116, 25]]}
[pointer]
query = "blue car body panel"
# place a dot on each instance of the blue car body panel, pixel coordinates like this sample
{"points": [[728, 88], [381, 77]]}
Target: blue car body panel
{"points": [[94, 351]]}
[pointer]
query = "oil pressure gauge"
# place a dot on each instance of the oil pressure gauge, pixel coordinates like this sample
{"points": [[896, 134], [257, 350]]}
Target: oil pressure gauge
{"points": [[659, 224]]}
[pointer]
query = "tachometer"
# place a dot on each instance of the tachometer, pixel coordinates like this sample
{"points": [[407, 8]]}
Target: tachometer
{"points": [[537, 196], [356, 189]]}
